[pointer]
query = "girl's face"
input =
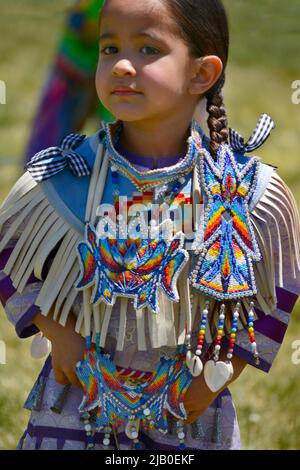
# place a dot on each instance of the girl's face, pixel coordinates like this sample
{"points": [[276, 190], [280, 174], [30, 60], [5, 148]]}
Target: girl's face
{"points": [[139, 50]]}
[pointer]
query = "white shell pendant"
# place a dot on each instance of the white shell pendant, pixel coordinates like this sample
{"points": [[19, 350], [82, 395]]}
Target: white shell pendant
{"points": [[194, 364], [132, 428], [217, 374], [40, 346]]}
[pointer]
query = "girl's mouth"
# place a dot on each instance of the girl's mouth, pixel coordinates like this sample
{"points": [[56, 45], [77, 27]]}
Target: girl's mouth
{"points": [[125, 91]]}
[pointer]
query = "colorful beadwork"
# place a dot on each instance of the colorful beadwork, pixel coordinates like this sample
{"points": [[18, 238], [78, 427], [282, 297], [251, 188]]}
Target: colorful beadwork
{"points": [[151, 178], [251, 333], [201, 335], [219, 332], [225, 246], [115, 400], [181, 435], [130, 268], [234, 326]]}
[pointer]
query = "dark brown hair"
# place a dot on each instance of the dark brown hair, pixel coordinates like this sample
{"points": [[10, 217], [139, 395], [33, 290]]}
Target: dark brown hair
{"points": [[203, 25]]}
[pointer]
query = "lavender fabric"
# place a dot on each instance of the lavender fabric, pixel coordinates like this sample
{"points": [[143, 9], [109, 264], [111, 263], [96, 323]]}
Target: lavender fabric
{"points": [[148, 162]]}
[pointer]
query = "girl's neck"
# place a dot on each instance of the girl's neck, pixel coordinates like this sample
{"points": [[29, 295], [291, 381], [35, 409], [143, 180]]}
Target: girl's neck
{"points": [[156, 141]]}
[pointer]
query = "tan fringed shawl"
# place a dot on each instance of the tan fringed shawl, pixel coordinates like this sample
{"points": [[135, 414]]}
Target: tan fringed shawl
{"points": [[46, 229]]}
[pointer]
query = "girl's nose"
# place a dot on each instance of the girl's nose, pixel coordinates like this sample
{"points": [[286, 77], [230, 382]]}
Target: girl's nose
{"points": [[123, 67]]}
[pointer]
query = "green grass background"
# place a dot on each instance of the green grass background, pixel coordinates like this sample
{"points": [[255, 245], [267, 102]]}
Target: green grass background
{"points": [[264, 61]]}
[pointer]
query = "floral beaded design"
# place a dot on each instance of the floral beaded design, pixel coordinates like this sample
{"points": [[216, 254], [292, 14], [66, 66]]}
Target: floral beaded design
{"points": [[131, 268]]}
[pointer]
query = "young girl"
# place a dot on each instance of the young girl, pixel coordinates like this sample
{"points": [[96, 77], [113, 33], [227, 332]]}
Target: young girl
{"points": [[157, 261]]}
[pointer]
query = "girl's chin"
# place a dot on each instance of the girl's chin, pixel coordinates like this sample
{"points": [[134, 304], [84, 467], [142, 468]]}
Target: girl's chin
{"points": [[127, 115]]}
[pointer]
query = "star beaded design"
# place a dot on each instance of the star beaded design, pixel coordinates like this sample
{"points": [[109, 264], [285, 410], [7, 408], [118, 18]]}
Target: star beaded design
{"points": [[225, 246], [135, 268]]}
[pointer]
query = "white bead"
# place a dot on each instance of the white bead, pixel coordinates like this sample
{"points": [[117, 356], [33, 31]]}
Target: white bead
{"points": [[134, 435], [217, 347], [106, 442], [222, 316], [188, 337], [198, 352], [147, 412], [181, 435], [88, 427], [236, 314], [113, 168], [229, 356]]}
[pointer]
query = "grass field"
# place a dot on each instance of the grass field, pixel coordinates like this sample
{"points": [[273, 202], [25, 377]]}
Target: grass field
{"points": [[263, 64]]}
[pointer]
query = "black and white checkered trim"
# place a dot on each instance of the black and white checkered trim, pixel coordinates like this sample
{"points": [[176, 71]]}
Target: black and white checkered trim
{"points": [[259, 136], [53, 160]]}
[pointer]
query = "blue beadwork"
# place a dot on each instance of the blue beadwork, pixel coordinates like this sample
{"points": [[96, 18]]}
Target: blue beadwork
{"points": [[225, 245]]}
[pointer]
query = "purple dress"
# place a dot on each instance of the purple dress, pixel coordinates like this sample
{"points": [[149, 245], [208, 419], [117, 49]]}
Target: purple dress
{"points": [[54, 422]]}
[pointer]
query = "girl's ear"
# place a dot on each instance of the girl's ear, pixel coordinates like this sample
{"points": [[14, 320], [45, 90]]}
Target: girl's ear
{"points": [[206, 72]]}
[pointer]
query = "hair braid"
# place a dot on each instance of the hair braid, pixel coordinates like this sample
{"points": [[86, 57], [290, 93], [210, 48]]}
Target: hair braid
{"points": [[217, 121]]}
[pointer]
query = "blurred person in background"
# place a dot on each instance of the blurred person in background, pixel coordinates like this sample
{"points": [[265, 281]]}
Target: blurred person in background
{"points": [[69, 97]]}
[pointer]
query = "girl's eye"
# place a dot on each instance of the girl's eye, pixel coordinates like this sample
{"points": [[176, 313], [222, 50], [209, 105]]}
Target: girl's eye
{"points": [[105, 48], [152, 50]]}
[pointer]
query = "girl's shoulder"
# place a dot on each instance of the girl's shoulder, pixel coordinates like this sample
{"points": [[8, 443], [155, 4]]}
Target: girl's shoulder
{"points": [[63, 174]]}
